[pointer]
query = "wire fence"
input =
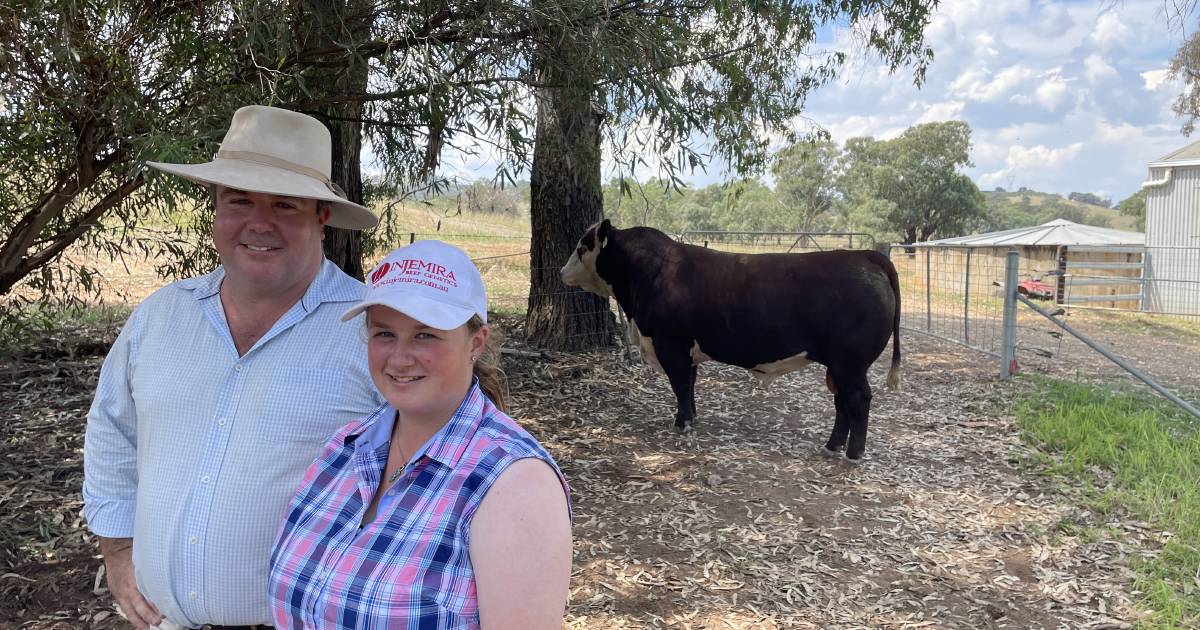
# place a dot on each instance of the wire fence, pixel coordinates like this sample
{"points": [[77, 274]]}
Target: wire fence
{"points": [[1171, 280], [957, 294], [774, 242]]}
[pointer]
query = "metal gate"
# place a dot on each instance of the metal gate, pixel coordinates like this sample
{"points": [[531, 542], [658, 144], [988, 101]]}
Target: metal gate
{"points": [[1102, 276]]}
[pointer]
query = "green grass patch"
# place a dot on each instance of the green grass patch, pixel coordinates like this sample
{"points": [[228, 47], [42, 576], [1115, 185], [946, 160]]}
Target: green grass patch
{"points": [[1137, 453]]}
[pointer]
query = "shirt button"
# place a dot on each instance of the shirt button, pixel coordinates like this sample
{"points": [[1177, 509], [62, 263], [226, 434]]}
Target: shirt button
{"points": [[204, 479], [193, 540], [193, 595], [238, 367], [221, 422]]}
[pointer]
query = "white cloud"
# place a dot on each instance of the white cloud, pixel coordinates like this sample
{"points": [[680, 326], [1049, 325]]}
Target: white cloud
{"points": [[1096, 69], [985, 152], [1154, 78], [1110, 30], [1051, 92], [1026, 163], [1123, 134], [1021, 133], [1040, 157], [946, 110], [989, 181], [878, 127], [977, 85]]}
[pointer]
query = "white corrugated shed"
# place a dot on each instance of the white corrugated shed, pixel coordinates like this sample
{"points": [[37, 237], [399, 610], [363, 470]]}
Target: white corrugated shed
{"points": [[1173, 232], [1056, 232]]}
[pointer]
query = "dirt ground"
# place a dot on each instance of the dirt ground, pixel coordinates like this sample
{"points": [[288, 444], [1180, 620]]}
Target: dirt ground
{"points": [[740, 524]]}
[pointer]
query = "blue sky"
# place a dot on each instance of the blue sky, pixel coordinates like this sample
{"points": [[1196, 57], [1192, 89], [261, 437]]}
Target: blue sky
{"points": [[1061, 96]]}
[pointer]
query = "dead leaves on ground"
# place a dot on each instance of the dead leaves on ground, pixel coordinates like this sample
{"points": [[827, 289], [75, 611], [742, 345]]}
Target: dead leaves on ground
{"points": [[739, 524]]}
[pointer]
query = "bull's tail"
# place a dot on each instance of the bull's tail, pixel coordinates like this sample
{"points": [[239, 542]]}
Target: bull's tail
{"points": [[893, 377]]}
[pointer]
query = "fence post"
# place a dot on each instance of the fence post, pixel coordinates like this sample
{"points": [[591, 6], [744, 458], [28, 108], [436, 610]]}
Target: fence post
{"points": [[967, 302], [1008, 353], [928, 291]]}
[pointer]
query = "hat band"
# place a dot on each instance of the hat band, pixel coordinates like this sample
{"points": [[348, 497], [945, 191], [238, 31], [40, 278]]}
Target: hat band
{"points": [[270, 160]]}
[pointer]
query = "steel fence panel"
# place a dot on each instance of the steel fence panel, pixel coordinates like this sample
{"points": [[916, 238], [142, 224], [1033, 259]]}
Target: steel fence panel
{"points": [[957, 294]]}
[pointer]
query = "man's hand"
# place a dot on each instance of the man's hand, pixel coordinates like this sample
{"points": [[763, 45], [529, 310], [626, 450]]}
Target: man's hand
{"points": [[118, 564]]}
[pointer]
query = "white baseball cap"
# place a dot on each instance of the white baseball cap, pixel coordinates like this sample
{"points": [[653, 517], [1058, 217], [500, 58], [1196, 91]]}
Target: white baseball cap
{"points": [[432, 282]]}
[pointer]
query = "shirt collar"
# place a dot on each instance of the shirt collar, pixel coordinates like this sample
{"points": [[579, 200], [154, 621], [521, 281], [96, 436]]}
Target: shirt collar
{"points": [[331, 284], [446, 446]]}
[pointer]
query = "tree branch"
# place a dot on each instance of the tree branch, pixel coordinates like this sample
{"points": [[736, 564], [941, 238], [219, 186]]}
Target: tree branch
{"points": [[417, 91], [83, 223], [686, 62]]}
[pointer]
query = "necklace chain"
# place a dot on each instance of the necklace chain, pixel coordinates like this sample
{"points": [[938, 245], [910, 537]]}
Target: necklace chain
{"points": [[399, 471]]}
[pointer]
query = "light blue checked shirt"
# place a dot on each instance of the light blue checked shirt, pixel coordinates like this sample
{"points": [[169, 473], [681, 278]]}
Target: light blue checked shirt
{"points": [[194, 452]]}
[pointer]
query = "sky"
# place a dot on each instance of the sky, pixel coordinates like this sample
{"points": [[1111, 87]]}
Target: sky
{"points": [[1061, 97]]}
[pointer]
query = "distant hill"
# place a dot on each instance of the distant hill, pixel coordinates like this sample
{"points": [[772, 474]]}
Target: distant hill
{"points": [[1027, 208]]}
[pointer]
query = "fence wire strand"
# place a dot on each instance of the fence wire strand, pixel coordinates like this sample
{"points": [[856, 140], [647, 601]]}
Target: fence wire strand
{"points": [[957, 293]]}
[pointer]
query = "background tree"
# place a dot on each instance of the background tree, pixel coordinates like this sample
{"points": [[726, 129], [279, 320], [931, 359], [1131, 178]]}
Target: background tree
{"points": [[485, 197], [340, 76], [1135, 206], [806, 179], [95, 88], [1090, 198], [664, 73], [917, 174], [1185, 64], [91, 90]]}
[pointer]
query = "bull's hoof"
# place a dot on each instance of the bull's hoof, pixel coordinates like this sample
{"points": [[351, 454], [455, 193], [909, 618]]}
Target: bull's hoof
{"points": [[830, 453], [855, 461], [683, 430]]}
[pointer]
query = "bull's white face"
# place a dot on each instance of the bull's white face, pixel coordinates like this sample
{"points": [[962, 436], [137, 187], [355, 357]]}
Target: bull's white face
{"points": [[580, 270]]}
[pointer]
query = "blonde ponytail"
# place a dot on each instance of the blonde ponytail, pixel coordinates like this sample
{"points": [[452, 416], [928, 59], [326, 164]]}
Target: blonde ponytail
{"points": [[492, 380]]}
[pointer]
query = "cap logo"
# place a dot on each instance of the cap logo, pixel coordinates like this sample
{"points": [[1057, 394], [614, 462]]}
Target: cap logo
{"points": [[415, 271], [380, 272]]}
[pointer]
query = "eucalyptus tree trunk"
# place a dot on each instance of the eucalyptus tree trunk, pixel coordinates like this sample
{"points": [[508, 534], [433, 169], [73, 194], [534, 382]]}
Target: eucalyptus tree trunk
{"points": [[566, 200], [332, 24]]}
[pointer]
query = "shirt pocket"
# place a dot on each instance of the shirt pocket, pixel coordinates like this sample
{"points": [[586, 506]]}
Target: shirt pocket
{"points": [[308, 405]]}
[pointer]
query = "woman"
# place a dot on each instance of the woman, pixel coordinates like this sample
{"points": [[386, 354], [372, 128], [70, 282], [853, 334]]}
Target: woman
{"points": [[438, 510]]}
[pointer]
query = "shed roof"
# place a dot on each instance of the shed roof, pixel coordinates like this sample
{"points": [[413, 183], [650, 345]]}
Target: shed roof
{"points": [[1187, 155], [1056, 232]]}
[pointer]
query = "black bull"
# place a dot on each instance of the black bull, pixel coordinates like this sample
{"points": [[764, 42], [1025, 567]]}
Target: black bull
{"points": [[768, 313]]}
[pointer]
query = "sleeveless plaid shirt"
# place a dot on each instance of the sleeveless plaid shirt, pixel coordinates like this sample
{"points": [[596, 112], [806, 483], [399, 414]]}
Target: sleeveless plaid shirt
{"points": [[411, 566]]}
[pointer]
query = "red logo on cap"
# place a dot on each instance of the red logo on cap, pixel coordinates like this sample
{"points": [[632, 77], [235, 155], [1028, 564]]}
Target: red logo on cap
{"points": [[379, 273]]}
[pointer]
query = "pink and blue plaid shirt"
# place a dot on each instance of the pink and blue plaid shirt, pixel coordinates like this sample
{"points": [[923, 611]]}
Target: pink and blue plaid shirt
{"points": [[411, 566]]}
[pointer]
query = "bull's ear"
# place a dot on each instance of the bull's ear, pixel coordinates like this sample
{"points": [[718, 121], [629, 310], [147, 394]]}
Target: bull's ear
{"points": [[602, 232]]}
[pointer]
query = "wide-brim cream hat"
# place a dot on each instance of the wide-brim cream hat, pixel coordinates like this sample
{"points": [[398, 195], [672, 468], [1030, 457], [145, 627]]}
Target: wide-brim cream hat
{"points": [[278, 152]]}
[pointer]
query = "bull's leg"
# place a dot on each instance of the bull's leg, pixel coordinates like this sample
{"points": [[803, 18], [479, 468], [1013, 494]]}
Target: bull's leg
{"points": [[692, 391], [857, 407], [677, 363], [841, 423], [841, 430]]}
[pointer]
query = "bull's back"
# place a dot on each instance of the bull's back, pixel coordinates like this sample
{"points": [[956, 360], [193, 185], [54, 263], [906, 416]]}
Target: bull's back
{"points": [[750, 309]]}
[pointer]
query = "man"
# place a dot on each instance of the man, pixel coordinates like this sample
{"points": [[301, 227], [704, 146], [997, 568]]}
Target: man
{"points": [[220, 389]]}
